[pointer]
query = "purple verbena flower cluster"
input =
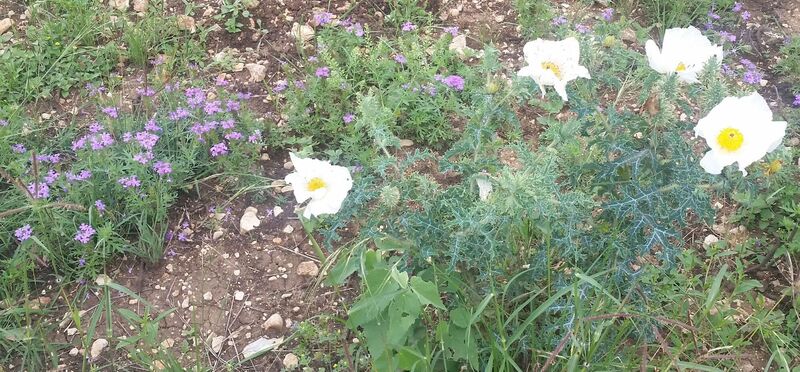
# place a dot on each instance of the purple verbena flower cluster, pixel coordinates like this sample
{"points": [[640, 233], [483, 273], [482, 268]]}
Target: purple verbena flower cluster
{"points": [[84, 233], [23, 233], [129, 182]]}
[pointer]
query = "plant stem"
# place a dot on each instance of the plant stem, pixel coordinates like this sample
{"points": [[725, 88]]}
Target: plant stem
{"points": [[310, 233]]}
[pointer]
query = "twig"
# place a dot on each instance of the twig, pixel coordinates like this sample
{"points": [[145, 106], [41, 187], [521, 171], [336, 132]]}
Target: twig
{"points": [[70, 206], [558, 350]]}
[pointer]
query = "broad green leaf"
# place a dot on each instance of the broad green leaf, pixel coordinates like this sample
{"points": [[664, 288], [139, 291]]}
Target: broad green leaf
{"points": [[387, 243], [746, 286], [715, 285], [426, 292], [460, 317], [400, 277]]}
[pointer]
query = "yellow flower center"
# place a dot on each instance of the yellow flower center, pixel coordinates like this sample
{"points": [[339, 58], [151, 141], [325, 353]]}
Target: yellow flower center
{"points": [[315, 184], [730, 139], [553, 68], [681, 67]]}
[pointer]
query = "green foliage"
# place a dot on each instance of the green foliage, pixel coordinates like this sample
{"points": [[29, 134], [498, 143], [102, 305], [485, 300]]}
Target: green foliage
{"points": [[534, 17], [789, 63], [680, 13], [230, 11]]}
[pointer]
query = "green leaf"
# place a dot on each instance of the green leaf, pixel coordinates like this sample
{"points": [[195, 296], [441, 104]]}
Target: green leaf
{"points": [[714, 291], [460, 317], [400, 277], [426, 292], [746, 286], [388, 243]]}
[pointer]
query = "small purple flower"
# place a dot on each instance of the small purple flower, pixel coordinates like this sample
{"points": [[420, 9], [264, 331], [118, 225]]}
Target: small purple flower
{"points": [[348, 118], [227, 124], [280, 86], [708, 26], [143, 157], [323, 72], [727, 36], [406, 86], [558, 21], [219, 149], [111, 111], [713, 15], [152, 126], [19, 148], [147, 140], [745, 15], [159, 60], [737, 7], [81, 262], [212, 107], [796, 102], [168, 236], [127, 137], [128, 182], [39, 190], [244, 96], [253, 138], [194, 97], [51, 177], [323, 18], [95, 127], [220, 81], [81, 176], [101, 207], [313, 59], [84, 233], [182, 236], [101, 141], [146, 91], [454, 81], [408, 26], [453, 30], [231, 105], [581, 28], [747, 63], [752, 77], [727, 70], [299, 84], [23, 233], [401, 59], [162, 168], [3, 123], [607, 14], [79, 143], [357, 29], [180, 113], [233, 136]]}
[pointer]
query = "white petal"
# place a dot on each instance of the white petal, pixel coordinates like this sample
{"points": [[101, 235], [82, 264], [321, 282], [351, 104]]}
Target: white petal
{"points": [[526, 71], [298, 182], [777, 132], [561, 89], [654, 56], [712, 163], [583, 72]]}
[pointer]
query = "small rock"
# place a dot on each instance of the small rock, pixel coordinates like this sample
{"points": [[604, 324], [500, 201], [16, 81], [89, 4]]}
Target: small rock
{"points": [[102, 280], [301, 33], [249, 220], [46, 116], [288, 165], [168, 343], [74, 351], [97, 347], [406, 143], [208, 296], [291, 361], [140, 6], [257, 72], [238, 295], [277, 211], [286, 295], [5, 25], [186, 23], [710, 240], [288, 229], [216, 344], [120, 4], [260, 345], [307, 268], [217, 234], [296, 309], [170, 268], [274, 321], [71, 331], [185, 303]]}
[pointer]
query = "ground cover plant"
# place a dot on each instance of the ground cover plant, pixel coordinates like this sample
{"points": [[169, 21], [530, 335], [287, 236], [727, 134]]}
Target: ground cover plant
{"points": [[615, 189]]}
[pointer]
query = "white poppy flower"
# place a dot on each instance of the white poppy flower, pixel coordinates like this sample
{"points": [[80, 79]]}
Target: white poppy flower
{"points": [[739, 130], [685, 51], [553, 63], [325, 184]]}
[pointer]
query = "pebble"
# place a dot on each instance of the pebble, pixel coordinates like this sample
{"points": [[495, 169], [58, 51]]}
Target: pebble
{"points": [[307, 268], [120, 4], [260, 345], [249, 220], [140, 6], [277, 211], [257, 72], [286, 295], [216, 344], [238, 295], [185, 303], [208, 296], [97, 347], [291, 361], [74, 351], [710, 240], [274, 321], [5, 25], [288, 229], [186, 23]]}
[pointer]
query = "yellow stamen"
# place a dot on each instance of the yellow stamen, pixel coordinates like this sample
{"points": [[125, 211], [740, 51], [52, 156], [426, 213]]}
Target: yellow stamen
{"points": [[730, 139], [681, 67], [552, 67], [315, 184]]}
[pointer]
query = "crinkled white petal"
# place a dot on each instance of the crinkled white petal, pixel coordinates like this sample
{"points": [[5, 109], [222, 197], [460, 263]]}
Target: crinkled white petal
{"points": [[564, 53], [327, 199], [687, 46]]}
